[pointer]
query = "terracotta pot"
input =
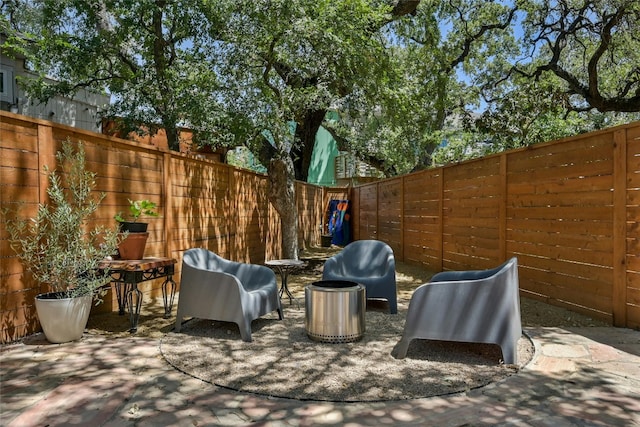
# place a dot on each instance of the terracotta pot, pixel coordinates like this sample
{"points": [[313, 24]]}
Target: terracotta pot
{"points": [[133, 246]]}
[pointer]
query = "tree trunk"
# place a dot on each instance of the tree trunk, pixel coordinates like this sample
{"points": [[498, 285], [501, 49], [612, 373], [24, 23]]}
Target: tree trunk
{"points": [[282, 195], [173, 137], [306, 134]]}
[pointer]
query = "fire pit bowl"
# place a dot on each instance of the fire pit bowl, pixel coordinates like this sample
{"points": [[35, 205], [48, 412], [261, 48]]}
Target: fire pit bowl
{"points": [[335, 311]]}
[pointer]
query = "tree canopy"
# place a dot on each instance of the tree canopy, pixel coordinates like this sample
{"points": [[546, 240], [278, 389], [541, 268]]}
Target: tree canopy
{"points": [[412, 81], [400, 73]]}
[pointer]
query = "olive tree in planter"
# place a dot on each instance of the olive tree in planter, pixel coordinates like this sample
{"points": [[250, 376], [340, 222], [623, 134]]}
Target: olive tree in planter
{"points": [[61, 251], [135, 233]]}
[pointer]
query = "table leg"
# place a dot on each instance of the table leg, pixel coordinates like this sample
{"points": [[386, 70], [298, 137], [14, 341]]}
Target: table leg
{"points": [[121, 295], [134, 313], [168, 298], [284, 288]]}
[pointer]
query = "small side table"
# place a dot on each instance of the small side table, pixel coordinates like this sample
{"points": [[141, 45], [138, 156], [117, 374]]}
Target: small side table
{"points": [[126, 274], [284, 267]]}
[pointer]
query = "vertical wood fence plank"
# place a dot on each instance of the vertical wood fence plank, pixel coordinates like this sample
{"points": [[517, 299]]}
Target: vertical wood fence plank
{"points": [[46, 157], [619, 292], [168, 219], [401, 254], [323, 222], [440, 236], [633, 228], [230, 206], [502, 225], [355, 214], [377, 211]]}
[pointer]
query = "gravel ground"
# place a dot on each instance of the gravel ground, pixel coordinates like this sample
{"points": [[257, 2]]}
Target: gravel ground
{"points": [[152, 324], [472, 367]]}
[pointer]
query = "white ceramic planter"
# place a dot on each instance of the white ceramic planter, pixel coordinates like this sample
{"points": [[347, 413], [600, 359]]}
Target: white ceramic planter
{"points": [[64, 319]]}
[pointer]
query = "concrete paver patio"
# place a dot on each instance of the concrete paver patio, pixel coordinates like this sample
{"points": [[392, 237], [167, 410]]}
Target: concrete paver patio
{"points": [[586, 376]]}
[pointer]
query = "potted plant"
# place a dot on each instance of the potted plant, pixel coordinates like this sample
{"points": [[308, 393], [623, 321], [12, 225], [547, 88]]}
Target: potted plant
{"points": [[137, 209], [62, 252], [134, 233]]}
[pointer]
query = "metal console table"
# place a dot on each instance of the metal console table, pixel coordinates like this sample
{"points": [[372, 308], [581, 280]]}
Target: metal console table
{"points": [[126, 274]]}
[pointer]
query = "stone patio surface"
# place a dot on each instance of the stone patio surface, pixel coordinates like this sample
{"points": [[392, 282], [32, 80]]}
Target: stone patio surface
{"points": [[578, 377]]}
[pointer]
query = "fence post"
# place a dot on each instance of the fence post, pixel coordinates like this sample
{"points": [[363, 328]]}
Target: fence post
{"points": [[619, 291], [323, 214], [402, 218], [355, 214], [168, 222], [440, 262], [46, 157], [230, 222], [377, 237], [502, 225]]}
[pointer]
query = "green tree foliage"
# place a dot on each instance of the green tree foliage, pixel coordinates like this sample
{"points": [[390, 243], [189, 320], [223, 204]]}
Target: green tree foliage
{"points": [[147, 54], [394, 70], [591, 46], [515, 73], [285, 65], [403, 75], [439, 44], [575, 70]]}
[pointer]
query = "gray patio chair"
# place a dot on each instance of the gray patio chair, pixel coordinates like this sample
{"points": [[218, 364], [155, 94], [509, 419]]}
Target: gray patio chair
{"points": [[481, 306], [369, 262], [215, 288]]}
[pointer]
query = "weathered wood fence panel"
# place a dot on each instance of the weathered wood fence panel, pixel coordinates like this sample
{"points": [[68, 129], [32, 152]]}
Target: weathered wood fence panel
{"points": [[568, 209], [365, 217], [310, 202], [422, 218], [19, 184], [631, 232], [470, 213], [561, 221], [201, 204], [251, 212], [389, 221]]}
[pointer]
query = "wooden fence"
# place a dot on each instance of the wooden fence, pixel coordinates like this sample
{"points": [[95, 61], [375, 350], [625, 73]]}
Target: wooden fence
{"points": [[568, 209], [202, 204]]}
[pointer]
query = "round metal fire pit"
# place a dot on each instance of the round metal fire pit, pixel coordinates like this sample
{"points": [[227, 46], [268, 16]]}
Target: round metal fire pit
{"points": [[335, 311]]}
